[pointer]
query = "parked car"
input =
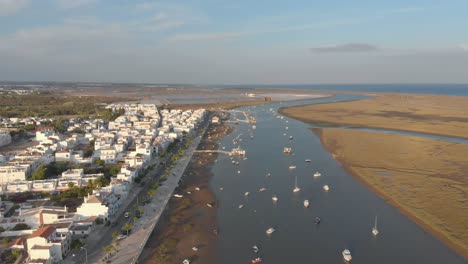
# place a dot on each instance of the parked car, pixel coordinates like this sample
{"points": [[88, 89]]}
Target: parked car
{"points": [[127, 214]]}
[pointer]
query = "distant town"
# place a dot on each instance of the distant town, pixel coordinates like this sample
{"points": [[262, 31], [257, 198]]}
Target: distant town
{"points": [[64, 179]]}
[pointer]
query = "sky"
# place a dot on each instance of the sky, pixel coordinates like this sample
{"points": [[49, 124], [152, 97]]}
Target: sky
{"points": [[235, 42]]}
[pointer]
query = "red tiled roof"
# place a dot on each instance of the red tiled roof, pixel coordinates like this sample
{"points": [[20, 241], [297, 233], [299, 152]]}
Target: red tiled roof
{"points": [[44, 232]]}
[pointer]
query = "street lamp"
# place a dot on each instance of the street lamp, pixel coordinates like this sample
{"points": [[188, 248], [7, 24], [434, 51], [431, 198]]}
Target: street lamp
{"points": [[86, 254]]}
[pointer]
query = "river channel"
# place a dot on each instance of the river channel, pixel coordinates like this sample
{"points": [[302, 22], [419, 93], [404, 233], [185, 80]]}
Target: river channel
{"points": [[347, 210]]}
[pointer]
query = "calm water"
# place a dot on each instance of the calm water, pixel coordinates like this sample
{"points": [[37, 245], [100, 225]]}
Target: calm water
{"points": [[347, 210], [442, 89]]}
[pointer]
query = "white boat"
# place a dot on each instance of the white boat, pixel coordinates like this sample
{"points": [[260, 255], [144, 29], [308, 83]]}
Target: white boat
{"points": [[274, 198], [241, 206], [308, 160], [270, 231], [197, 188], [246, 194], [195, 248], [290, 137], [178, 195], [287, 150], [306, 203], [233, 162], [209, 205], [287, 127], [262, 189], [186, 261], [221, 188], [238, 172], [254, 127], [347, 255], [326, 188], [255, 248], [375, 231], [292, 167], [317, 174], [296, 189]]}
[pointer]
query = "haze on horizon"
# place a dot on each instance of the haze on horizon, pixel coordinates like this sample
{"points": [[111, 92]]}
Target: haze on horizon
{"points": [[234, 42]]}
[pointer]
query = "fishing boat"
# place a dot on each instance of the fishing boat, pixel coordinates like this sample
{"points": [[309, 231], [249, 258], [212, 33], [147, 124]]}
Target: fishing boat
{"points": [[317, 174], [274, 198], [287, 150], [326, 188], [262, 189], [308, 160], [246, 194], [270, 231], [317, 220], [241, 206], [375, 231], [306, 203], [347, 255], [256, 260], [292, 167], [296, 189], [195, 248]]}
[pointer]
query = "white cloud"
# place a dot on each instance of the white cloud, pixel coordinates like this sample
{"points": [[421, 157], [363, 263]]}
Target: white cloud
{"points": [[346, 48], [70, 4], [11, 7], [159, 17]]}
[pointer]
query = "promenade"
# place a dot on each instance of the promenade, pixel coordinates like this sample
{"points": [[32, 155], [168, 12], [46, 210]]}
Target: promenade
{"points": [[131, 247]]}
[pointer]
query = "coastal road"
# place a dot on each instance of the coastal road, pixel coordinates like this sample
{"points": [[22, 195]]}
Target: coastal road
{"points": [[131, 247]]}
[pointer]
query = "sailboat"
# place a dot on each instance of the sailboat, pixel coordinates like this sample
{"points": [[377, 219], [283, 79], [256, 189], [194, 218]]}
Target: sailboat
{"points": [[296, 189], [375, 231]]}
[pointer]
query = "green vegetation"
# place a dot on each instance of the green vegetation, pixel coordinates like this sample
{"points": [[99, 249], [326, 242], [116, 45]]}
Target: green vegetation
{"points": [[20, 226], [10, 255], [39, 173], [50, 104], [76, 244]]}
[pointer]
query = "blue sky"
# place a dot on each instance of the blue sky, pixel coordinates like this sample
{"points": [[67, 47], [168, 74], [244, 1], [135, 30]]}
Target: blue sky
{"points": [[235, 42]]}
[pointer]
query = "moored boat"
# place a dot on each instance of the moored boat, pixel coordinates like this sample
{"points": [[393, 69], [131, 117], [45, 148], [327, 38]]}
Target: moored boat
{"points": [[256, 260], [270, 231], [306, 203], [317, 174], [347, 255], [326, 188]]}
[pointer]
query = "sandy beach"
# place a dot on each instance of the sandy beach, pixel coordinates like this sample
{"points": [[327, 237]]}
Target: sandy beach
{"points": [[188, 221]]}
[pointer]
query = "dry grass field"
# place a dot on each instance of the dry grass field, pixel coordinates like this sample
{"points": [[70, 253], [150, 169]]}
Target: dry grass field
{"points": [[425, 178], [443, 115]]}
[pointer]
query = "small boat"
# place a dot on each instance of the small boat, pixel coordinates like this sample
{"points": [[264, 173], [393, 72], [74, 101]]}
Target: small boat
{"points": [[274, 198], [237, 163], [284, 134], [262, 189], [270, 231], [238, 172], [197, 188], [254, 127], [296, 189], [317, 174], [290, 137], [308, 160], [233, 162], [375, 231], [287, 150], [268, 174], [287, 127], [256, 260], [347, 255], [326, 188], [241, 206], [317, 220], [246, 194], [195, 248], [178, 195], [292, 167], [221, 188], [255, 248], [209, 205], [186, 261], [189, 192], [306, 203]]}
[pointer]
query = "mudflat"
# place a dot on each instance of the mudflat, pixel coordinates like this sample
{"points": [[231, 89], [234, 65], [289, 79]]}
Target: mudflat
{"points": [[424, 178], [431, 114]]}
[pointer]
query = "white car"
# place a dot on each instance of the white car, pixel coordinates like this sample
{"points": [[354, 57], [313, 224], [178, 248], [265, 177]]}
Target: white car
{"points": [[120, 237], [126, 215]]}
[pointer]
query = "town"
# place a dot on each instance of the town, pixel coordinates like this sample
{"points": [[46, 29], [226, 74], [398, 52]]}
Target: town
{"points": [[70, 182]]}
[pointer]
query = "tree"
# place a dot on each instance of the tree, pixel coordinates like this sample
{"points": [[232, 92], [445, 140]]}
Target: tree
{"points": [[21, 226], [39, 173], [71, 185], [127, 227], [99, 162], [109, 249]]}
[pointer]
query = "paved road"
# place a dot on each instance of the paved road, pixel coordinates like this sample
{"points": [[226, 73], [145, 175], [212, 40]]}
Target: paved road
{"points": [[102, 236], [131, 247]]}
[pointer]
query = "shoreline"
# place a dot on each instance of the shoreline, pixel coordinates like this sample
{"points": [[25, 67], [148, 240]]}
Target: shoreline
{"points": [[441, 115], [188, 221], [459, 249]]}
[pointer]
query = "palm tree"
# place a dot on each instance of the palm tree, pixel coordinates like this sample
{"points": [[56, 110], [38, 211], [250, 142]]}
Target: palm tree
{"points": [[127, 227], [109, 249]]}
